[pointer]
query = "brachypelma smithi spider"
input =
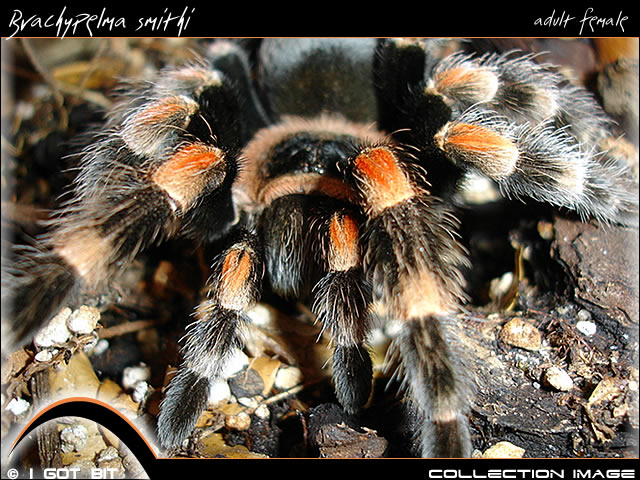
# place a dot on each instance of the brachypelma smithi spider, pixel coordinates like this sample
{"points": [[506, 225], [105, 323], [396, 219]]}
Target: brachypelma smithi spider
{"points": [[328, 166]]}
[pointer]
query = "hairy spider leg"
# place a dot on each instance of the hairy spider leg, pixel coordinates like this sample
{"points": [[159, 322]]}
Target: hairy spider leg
{"points": [[341, 302], [234, 286], [144, 181], [413, 259], [514, 120]]}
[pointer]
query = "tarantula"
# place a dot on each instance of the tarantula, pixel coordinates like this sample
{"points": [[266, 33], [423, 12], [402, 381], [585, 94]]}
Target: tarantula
{"points": [[328, 168]]}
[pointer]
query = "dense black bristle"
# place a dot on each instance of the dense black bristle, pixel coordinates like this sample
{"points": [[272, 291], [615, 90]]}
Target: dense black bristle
{"points": [[433, 372], [34, 288], [352, 376], [285, 225], [183, 403], [341, 302]]}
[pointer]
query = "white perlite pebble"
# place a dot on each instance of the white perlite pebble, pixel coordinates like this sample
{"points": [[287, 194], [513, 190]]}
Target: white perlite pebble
{"points": [[522, 334], [83, 320], [55, 332], [288, 377], [587, 328], [500, 286], [558, 379], [140, 391], [46, 355], [108, 453], [584, 315], [109, 460], [100, 347], [478, 190], [219, 393], [263, 412], [236, 363], [504, 450], [18, 406], [249, 402], [132, 375], [73, 438], [241, 421], [260, 315]]}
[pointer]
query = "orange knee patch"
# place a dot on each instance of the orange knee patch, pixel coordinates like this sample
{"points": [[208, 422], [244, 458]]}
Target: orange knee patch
{"points": [[474, 85], [343, 242], [234, 286], [167, 111], [146, 132], [494, 154], [383, 181], [197, 78], [189, 171]]}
